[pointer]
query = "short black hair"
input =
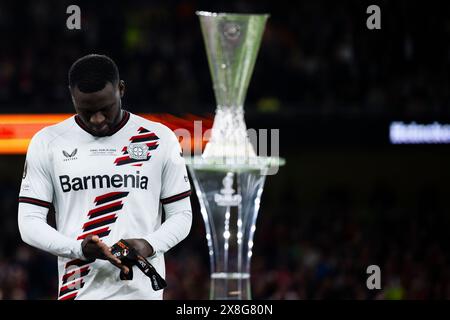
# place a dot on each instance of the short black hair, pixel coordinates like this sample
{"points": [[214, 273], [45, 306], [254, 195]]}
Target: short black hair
{"points": [[91, 73]]}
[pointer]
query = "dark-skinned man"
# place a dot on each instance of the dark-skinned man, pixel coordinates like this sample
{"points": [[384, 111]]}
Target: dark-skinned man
{"points": [[108, 173]]}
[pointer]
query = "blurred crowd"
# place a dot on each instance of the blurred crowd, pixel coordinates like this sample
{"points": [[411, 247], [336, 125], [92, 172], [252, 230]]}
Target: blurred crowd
{"points": [[316, 56], [327, 254]]}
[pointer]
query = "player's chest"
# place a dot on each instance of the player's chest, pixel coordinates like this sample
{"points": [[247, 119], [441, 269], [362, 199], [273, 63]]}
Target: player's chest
{"points": [[121, 156]]}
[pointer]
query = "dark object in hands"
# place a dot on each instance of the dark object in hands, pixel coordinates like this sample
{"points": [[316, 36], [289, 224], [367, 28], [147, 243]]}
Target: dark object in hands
{"points": [[130, 257]]}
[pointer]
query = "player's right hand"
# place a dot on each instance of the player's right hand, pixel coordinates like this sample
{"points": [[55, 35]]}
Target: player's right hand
{"points": [[94, 248]]}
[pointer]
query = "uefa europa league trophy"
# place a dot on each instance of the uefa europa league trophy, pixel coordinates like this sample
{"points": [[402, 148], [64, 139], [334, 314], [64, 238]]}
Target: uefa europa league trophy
{"points": [[229, 176]]}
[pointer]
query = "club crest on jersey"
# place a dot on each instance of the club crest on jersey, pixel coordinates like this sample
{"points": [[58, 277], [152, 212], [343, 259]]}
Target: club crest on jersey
{"points": [[139, 148], [137, 151]]}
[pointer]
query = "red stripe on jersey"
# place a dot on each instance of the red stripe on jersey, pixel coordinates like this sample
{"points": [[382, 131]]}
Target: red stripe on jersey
{"points": [[74, 272], [108, 195], [129, 160], [78, 263], [96, 232], [152, 144], [91, 222], [71, 296], [142, 136], [142, 130], [114, 204], [121, 159], [72, 286]]}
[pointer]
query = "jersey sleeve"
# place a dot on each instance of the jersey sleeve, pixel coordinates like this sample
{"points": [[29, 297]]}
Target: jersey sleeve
{"points": [[37, 187], [35, 197], [175, 183]]}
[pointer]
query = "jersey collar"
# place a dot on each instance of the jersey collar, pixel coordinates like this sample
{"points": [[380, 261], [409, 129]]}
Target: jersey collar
{"points": [[120, 125]]}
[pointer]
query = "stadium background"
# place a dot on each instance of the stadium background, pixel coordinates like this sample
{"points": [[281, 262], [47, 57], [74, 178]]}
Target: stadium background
{"points": [[346, 198]]}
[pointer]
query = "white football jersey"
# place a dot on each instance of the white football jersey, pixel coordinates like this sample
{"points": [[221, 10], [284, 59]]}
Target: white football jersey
{"points": [[111, 186]]}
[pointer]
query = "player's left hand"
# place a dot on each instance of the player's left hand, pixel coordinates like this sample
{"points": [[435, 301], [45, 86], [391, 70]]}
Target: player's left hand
{"points": [[142, 246]]}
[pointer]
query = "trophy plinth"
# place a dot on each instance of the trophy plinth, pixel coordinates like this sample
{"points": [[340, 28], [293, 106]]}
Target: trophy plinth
{"points": [[229, 176]]}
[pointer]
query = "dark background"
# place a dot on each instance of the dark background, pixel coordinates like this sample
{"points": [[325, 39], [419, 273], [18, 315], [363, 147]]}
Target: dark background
{"points": [[346, 198]]}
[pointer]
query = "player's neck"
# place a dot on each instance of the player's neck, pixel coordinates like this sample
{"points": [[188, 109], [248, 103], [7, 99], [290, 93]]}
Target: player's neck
{"points": [[120, 122], [119, 118]]}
